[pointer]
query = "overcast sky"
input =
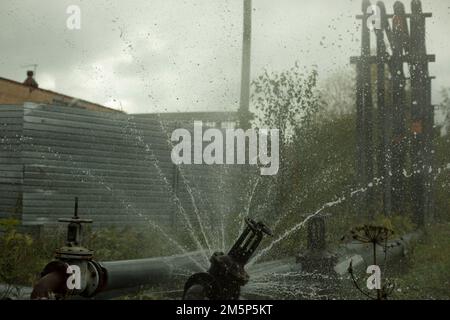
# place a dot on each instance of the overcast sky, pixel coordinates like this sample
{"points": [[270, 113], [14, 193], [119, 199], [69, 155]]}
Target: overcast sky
{"points": [[174, 55]]}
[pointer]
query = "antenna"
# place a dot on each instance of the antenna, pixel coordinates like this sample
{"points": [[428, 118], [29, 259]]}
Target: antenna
{"points": [[34, 65]]}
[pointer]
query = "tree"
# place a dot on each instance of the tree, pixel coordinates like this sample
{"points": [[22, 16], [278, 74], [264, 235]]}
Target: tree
{"points": [[338, 94], [285, 100]]}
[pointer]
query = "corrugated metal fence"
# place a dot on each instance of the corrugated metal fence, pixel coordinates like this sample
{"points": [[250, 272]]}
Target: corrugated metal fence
{"points": [[118, 166]]}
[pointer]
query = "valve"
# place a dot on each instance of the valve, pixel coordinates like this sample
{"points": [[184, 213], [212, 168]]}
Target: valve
{"points": [[249, 240], [73, 248], [226, 275], [73, 272]]}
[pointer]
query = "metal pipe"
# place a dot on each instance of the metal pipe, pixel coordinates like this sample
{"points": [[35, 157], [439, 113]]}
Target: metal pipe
{"points": [[361, 254], [161, 271], [151, 272]]}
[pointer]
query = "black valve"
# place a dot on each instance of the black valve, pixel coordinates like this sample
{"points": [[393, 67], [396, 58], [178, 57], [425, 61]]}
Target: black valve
{"points": [[74, 228], [73, 248], [227, 274], [249, 240]]}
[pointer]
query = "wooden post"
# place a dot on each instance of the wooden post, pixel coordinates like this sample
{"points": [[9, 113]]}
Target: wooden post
{"points": [[393, 136], [421, 116], [366, 109], [384, 113], [399, 109]]}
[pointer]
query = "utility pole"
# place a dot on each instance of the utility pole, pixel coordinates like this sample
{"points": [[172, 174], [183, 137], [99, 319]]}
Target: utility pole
{"points": [[244, 112], [244, 115]]}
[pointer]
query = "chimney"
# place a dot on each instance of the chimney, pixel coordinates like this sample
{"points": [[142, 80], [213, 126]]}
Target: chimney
{"points": [[29, 81]]}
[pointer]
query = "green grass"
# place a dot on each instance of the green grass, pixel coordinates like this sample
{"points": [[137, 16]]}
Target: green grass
{"points": [[428, 276]]}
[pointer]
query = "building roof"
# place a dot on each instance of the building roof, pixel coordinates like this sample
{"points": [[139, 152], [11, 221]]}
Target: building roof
{"points": [[44, 94]]}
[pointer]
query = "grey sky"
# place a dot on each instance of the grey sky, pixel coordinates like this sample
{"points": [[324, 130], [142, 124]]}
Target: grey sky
{"points": [[173, 55]]}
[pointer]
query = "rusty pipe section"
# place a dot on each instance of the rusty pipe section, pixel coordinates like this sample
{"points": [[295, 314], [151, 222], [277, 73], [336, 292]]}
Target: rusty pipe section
{"points": [[48, 284], [66, 277]]}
